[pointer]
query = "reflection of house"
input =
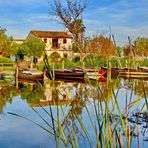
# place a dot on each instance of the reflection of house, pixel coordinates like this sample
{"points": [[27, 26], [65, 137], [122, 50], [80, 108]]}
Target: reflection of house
{"points": [[60, 42], [61, 92], [60, 95]]}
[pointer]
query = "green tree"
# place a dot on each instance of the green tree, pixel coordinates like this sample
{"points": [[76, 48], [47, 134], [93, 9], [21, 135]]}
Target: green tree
{"points": [[3, 40], [7, 45], [141, 46], [77, 28], [55, 57], [33, 47]]}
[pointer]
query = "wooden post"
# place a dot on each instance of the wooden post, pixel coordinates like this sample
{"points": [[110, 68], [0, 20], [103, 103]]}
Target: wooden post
{"points": [[63, 64], [16, 75], [31, 64], [53, 74], [17, 67], [109, 72]]}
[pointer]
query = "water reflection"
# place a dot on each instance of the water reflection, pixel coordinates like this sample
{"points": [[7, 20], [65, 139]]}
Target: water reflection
{"points": [[74, 108], [7, 90]]}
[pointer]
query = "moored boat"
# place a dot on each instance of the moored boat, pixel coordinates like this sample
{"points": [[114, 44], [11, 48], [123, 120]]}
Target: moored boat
{"points": [[7, 75], [31, 75], [128, 72], [97, 77], [66, 74]]}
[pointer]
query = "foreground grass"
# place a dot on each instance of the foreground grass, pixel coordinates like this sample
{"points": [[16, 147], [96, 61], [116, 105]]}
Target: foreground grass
{"points": [[106, 122]]}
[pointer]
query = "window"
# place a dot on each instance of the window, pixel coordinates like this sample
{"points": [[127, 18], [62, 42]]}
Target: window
{"points": [[45, 40], [64, 41], [54, 43], [65, 55]]}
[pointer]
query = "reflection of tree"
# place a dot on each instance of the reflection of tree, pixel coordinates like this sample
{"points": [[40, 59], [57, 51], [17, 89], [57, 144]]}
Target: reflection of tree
{"points": [[141, 88], [32, 93], [7, 91], [102, 92], [137, 123]]}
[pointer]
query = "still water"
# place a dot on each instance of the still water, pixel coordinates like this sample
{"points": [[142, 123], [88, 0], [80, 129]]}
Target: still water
{"points": [[31, 113]]}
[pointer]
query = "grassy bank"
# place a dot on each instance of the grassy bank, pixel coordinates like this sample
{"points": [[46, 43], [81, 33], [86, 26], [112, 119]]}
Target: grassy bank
{"points": [[97, 62]]}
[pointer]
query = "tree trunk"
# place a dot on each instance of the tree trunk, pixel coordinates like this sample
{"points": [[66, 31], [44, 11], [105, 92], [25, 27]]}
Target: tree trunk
{"points": [[31, 62]]}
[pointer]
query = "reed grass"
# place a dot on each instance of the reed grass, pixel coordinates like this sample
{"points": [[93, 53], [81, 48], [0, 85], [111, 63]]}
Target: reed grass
{"points": [[106, 124]]}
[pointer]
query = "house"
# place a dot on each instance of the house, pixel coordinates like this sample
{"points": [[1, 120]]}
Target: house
{"points": [[19, 41], [60, 42]]}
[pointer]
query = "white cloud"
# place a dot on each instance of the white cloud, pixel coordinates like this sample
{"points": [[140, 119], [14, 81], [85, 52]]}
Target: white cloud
{"points": [[126, 18]]}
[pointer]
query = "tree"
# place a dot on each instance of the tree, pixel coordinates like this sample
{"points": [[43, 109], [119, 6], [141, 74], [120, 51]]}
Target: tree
{"points": [[102, 46], [33, 47], [141, 46], [127, 51], [3, 40], [77, 29], [69, 14], [7, 45], [55, 57]]}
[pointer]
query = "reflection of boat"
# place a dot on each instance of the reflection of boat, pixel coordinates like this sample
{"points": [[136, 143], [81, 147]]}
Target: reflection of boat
{"points": [[66, 74], [71, 80], [31, 75], [51, 103]]}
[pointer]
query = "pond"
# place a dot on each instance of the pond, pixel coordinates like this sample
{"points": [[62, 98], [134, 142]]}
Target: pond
{"points": [[73, 114]]}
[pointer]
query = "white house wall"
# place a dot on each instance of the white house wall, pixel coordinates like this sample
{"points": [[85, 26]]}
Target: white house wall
{"points": [[63, 48]]}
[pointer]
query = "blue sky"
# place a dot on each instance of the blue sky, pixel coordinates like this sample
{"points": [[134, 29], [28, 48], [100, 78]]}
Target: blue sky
{"points": [[124, 17]]}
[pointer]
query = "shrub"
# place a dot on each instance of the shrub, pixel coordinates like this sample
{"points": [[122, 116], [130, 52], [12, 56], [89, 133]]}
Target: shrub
{"points": [[5, 60]]}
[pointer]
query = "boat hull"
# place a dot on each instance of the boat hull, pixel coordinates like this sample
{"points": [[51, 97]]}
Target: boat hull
{"points": [[66, 74], [31, 75], [127, 72]]}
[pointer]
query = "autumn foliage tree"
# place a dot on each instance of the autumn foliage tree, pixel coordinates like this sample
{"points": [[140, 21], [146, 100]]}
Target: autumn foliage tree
{"points": [[141, 46], [127, 51], [102, 46]]}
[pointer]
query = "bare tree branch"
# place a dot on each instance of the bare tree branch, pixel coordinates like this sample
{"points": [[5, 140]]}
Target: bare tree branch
{"points": [[69, 13]]}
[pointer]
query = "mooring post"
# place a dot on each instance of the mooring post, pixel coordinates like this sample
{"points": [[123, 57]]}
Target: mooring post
{"points": [[109, 72], [16, 75]]}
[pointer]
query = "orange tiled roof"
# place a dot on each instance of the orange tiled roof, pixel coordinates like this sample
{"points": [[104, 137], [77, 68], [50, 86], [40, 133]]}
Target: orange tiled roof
{"points": [[50, 34]]}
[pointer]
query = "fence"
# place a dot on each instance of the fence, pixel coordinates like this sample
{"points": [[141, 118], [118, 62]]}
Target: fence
{"points": [[7, 66]]}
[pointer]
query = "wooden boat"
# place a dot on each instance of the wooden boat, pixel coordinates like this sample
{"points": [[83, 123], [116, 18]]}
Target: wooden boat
{"points": [[143, 69], [66, 74], [7, 75], [114, 71], [96, 75], [100, 72], [31, 75], [128, 72]]}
